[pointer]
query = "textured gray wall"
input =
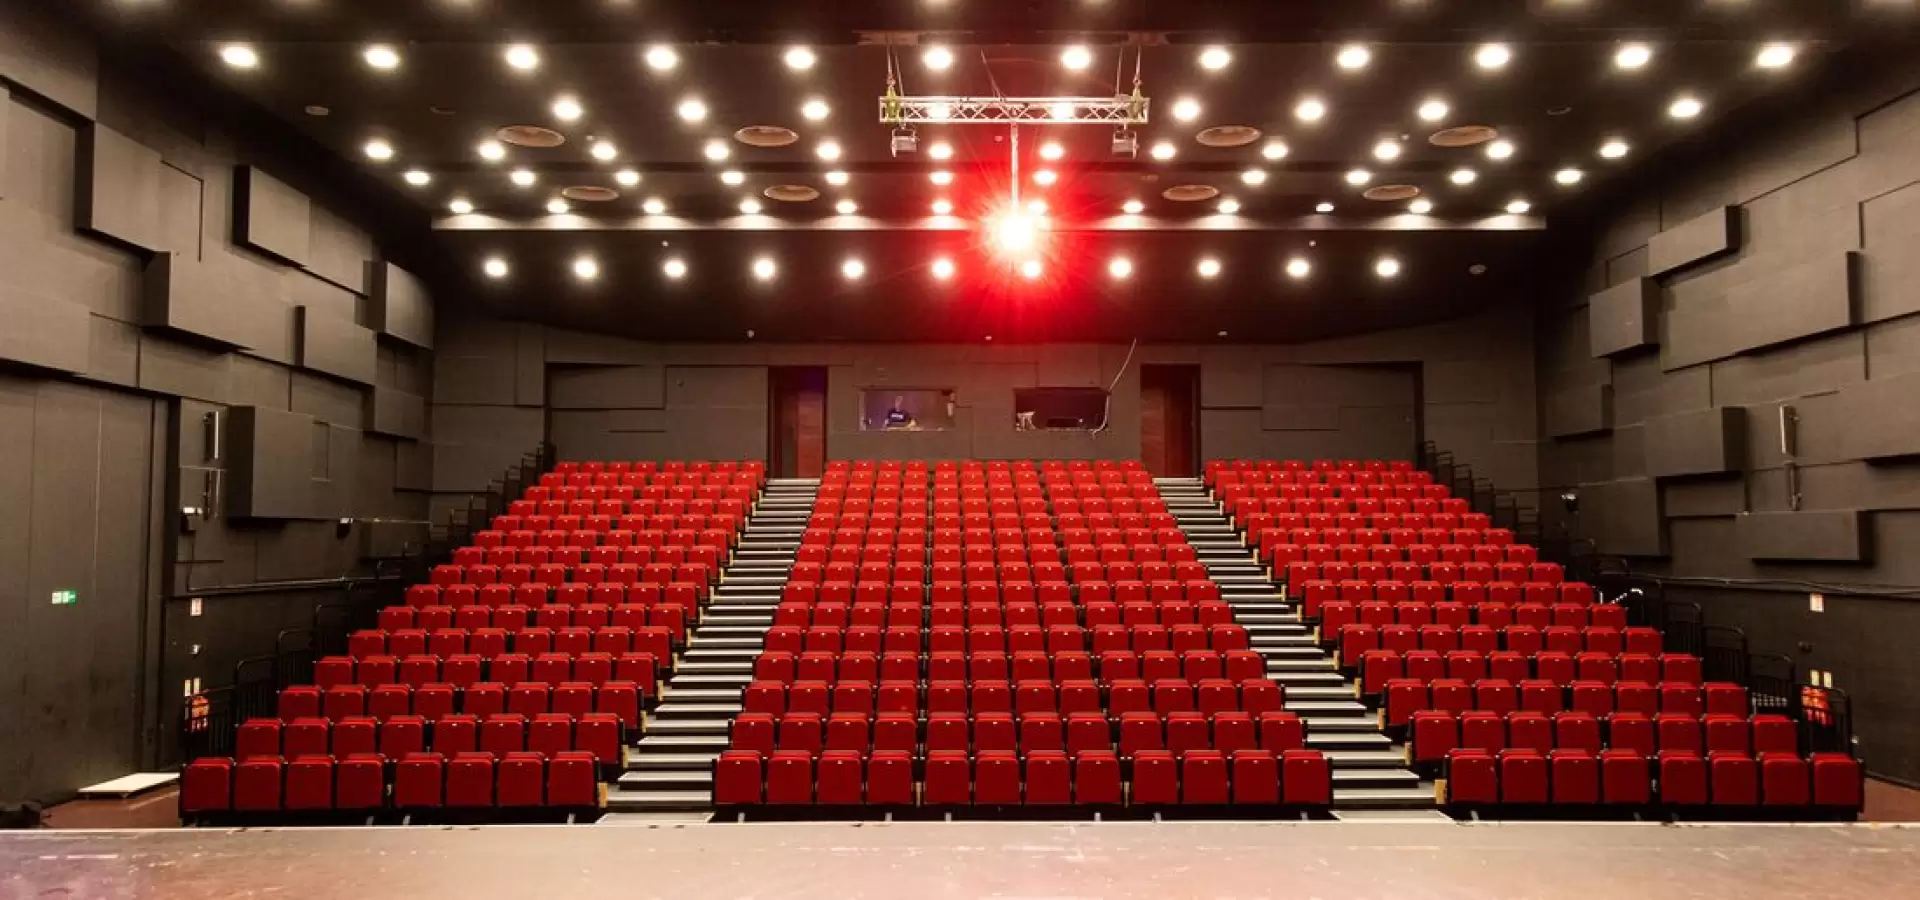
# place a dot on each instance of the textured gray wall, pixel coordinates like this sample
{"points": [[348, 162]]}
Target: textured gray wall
{"points": [[1673, 433], [124, 280]]}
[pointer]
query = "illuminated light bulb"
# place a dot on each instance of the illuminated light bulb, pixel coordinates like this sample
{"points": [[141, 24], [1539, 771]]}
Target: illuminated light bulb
{"points": [[943, 268], [1120, 268], [1434, 110], [1030, 270], [1310, 110], [586, 269], [836, 177], [1208, 268], [764, 269], [940, 177], [1298, 268], [853, 270], [1274, 150], [937, 58], [815, 110], [240, 56], [460, 207], [674, 268], [1463, 177], [1133, 207], [1051, 150], [1045, 177], [495, 268], [940, 150], [1386, 267], [661, 58], [846, 207], [1076, 57], [691, 109], [1493, 56], [1215, 58], [942, 208], [627, 177]]}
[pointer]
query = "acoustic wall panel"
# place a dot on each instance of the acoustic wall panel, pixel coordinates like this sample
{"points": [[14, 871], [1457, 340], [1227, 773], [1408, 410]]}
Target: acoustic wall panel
{"points": [[1799, 302], [203, 303], [607, 387], [1700, 442], [1882, 417], [399, 306], [43, 331], [1825, 536], [334, 346], [270, 217], [1587, 409], [1625, 317], [396, 413], [270, 464], [117, 188], [1694, 241], [1624, 517]]}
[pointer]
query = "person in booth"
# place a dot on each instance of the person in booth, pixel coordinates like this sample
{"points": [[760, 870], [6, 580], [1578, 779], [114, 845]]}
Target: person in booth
{"points": [[897, 415]]}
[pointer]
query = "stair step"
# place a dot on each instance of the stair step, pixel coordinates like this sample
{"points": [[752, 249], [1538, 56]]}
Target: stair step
{"points": [[708, 628], [1364, 759], [1320, 692], [642, 762], [689, 779], [657, 727], [678, 707], [1343, 724], [701, 695], [1330, 707], [1291, 677], [1417, 797], [1349, 740], [719, 654], [1381, 777], [686, 743], [698, 681], [642, 801]]}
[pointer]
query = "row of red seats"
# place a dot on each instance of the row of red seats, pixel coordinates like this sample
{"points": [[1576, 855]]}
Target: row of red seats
{"points": [[1529, 641], [612, 630], [1334, 490], [608, 517], [1022, 535], [864, 695], [435, 700], [1406, 698], [1178, 732], [831, 662], [577, 645], [1023, 638], [1679, 778], [1436, 733], [515, 618], [1484, 614], [672, 465], [1012, 591], [548, 734], [714, 489], [1254, 516], [1216, 466], [735, 499], [1339, 562], [1004, 607], [501, 557], [553, 575], [837, 466], [686, 478], [916, 492], [1394, 580], [1386, 527], [360, 783], [1042, 778], [1379, 668], [1141, 565], [607, 593], [1040, 526]]}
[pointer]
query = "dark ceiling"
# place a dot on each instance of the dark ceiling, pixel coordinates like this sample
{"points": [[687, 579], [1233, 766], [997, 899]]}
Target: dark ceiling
{"points": [[1559, 99]]}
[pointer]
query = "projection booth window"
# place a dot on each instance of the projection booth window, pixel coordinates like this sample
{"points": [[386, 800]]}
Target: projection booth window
{"points": [[906, 409], [1059, 409]]}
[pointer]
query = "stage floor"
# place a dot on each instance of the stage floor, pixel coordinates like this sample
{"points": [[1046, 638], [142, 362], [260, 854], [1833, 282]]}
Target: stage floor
{"points": [[1000, 860]]}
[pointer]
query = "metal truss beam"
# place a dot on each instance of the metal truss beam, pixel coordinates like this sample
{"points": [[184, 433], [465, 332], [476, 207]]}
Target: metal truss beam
{"points": [[1110, 111]]}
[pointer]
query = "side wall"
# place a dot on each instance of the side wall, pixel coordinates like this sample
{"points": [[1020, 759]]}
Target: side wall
{"points": [[1780, 277], [160, 251]]}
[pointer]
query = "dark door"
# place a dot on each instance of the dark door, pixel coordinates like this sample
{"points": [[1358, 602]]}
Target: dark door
{"points": [[1169, 420], [799, 432]]}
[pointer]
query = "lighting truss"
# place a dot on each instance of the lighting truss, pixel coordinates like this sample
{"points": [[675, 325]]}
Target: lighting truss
{"points": [[1120, 110]]}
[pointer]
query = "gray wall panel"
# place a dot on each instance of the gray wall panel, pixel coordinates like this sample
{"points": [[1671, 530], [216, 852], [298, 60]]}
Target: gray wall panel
{"points": [[326, 400], [270, 472], [1837, 536], [607, 387], [118, 195], [113, 351], [1883, 417], [397, 414], [1694, 241], [399, 306], [1581, 410], [1702, 442], [1625, 317], [334, 346], [43, 332], [1698, 497], [271, 217]]}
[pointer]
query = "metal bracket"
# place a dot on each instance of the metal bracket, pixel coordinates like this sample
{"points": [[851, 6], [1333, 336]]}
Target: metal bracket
{"points": [[1122, 110]]}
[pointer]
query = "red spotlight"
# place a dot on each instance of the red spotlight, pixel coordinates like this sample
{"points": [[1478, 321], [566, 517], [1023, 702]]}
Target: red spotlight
{"points": [[1030, 270], [943, 268], [1015, 234]]}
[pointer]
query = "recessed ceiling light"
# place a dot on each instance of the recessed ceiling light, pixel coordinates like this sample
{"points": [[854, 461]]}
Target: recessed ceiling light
{"points": [[1434, 110], [1298, 268], [661, 58], [1229, 206], [240, 56], [1492, 56], [585, 268], [1420, 207], [604, 151], [1463, 177], [1310, 110], [492, 151], [1133, 207], [846, 207], [1050, 150], [1386, 150], [943, 268], [1686, 108], [1775, 56], [827, 150], [937, 58], [1036, 207], [1353, 57], [418, 178], [1569, 177], [1519, 207], [1500, 150], [764, 269], [378, 150], [942, 208], [799, 58], [1208, 267], [1254, 177], [1215, 58], [1274, 150], [381, 56], [716, 151], [627, 177], [836, 177], [1632, 56], [940, 150], [815, 109], [732, 176], [1045, 177], [1359, 177], [1030, 270], [749, 207], [1613, 149], [654, 207], [558, 207], [940, 177], [459, 206], [691, 110], [1065, 111], [1120, 268], [1386, 267], [853, 270], [674, 268], [1076, 57], [1163, 150], [1323, 207], [523, 57], [495, 267], [523, 177], [1186, 109]]}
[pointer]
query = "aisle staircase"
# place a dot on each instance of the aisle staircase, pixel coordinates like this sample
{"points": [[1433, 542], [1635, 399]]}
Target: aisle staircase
{"points": [[670, 769], [1369, 769]]}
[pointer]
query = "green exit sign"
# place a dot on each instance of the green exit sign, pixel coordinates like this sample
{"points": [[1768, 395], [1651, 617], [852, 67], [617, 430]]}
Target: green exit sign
{"points": [[66, 598]]}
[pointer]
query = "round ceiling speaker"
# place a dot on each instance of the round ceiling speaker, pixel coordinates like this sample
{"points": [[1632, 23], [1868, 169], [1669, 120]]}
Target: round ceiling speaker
{"points": [[766, 136], [1228, 136], [791, 193], [1390, 192], [589, 193], [530, 136], [1463, 136], [1190, 193]]}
